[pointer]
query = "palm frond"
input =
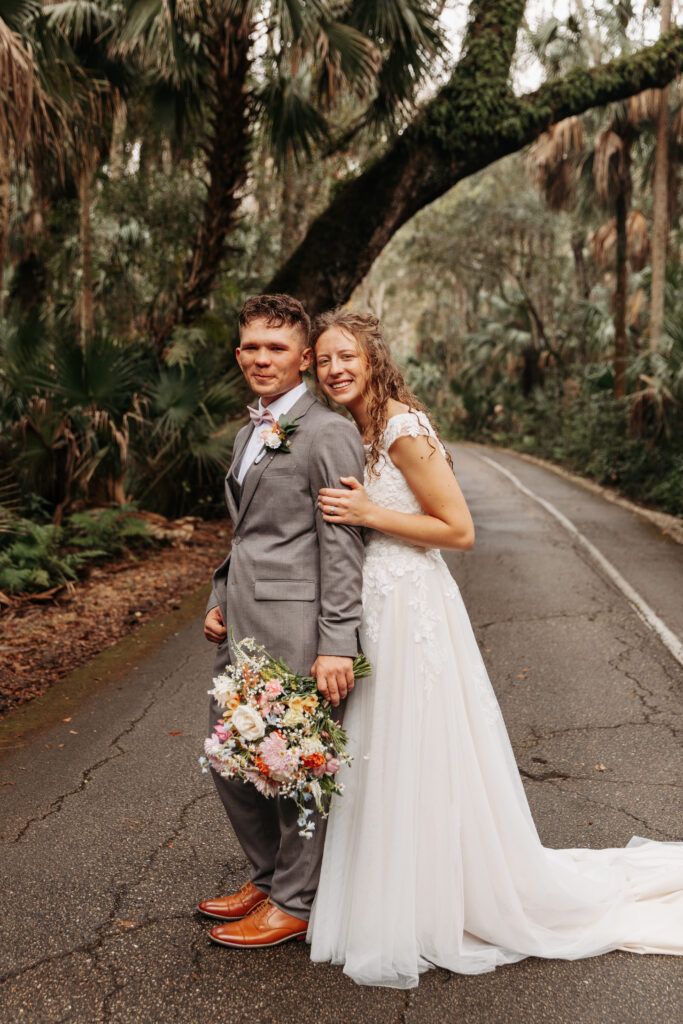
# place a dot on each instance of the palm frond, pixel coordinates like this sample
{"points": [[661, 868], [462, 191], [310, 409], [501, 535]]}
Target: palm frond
{"points": [[292, 124], [17, 13], [348, 60], [80, 19], [16, 87]]}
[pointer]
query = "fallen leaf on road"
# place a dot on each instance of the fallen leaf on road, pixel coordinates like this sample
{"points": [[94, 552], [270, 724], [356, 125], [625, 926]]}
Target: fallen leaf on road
{"points": [[600, 768], [127, 924], [66, 719], [176, 732], [73, 732]]}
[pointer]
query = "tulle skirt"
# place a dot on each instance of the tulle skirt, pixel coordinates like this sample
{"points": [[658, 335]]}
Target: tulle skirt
{"points": [[432, 857]]}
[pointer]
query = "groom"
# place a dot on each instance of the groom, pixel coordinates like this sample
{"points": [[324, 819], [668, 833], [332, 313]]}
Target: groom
{"points": [[293, 582]]}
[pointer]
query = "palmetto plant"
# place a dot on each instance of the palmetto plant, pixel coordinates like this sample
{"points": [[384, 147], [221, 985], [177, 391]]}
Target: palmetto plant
{"points": [[182, 447], [107, 422], [70, 409]]}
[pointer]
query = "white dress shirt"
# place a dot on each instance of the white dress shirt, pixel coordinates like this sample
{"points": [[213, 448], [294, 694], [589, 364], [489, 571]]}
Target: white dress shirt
{"points": [[280, 407]]}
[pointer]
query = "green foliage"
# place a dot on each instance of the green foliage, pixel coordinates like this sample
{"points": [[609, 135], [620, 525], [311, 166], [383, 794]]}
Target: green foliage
{"points": [[110, 531], [32, 558], [484, 295], [591, 433], [90, 416], [37, 556]]}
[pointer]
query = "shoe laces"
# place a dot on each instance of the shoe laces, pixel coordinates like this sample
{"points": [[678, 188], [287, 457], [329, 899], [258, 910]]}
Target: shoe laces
{"points": [[261, 909]]}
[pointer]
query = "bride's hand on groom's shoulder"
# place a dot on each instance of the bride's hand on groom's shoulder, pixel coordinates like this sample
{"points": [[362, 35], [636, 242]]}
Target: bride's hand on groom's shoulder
{"points": [[350, 505]]}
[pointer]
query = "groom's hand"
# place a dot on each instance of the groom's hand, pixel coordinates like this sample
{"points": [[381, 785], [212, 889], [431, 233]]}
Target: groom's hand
{"points": [[334, 677], [214, 627]]}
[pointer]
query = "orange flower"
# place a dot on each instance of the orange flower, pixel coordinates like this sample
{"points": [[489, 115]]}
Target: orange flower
{"points": [[316, 760], [232, 705], [262, 766]]}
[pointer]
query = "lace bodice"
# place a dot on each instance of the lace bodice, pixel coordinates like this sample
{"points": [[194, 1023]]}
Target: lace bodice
{"points": [[386, 485], [387, 559]]}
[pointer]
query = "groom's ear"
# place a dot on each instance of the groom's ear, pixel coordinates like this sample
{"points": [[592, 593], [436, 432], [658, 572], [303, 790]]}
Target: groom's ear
{"points": [[306, 359]]}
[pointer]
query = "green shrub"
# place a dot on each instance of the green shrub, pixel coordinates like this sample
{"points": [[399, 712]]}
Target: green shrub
{"points": [[32, 557], [112, 531], [36, 556]]}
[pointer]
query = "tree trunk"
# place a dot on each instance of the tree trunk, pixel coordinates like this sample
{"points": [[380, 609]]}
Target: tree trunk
{"points": [[660, 213], [226, 164], [620, 297], [4, 210], [473, 121], [118, 131], [581, 281], [87, 303]]}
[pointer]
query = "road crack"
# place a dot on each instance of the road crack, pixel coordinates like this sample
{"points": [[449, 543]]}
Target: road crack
{"points": [[56, 805], [591, 802]]}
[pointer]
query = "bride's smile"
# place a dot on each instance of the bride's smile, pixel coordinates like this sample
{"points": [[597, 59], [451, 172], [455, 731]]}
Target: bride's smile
{"points": [[341, 369]]}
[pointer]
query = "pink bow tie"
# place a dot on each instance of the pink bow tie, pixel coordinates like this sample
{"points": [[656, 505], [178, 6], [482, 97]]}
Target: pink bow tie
{"points": [[257, 418]]}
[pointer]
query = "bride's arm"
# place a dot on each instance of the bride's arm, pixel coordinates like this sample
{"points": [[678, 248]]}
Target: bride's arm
{"points": [[446, 522]]}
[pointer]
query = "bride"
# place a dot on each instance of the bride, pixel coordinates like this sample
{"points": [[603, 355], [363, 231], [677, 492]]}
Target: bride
{"points": [[432, 857]]}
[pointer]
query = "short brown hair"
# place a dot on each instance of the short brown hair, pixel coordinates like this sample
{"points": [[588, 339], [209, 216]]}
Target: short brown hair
{"points": [[277, 311]]}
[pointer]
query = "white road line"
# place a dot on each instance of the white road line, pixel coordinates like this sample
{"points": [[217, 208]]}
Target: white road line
{"points": [[641, 607]]}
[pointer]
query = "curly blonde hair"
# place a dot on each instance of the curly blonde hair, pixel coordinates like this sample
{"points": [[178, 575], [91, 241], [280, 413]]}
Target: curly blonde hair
{"points": [[385, 378]]}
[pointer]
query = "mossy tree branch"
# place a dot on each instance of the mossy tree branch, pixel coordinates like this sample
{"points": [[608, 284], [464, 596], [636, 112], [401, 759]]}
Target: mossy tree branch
{"points": [[473, 121]]}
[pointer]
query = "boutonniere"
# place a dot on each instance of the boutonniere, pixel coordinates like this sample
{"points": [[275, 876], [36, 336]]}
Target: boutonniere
{"points": [[276, 438]]}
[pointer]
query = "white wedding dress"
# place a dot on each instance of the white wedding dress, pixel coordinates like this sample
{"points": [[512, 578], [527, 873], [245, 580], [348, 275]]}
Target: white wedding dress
{"points": [[432, 857]]}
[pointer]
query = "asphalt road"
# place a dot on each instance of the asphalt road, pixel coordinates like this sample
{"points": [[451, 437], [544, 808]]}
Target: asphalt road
{"points": [[110, 834]]}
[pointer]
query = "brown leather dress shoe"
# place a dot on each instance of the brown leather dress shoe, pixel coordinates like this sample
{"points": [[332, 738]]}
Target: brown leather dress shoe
{"points": [[266, 926], [234, 907]]}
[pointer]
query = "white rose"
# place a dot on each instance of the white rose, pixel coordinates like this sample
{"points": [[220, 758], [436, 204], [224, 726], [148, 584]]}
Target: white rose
{"points": [[248, 722], [272, 440]]}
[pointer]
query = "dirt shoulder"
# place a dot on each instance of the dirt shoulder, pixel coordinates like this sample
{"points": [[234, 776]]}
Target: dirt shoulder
{"points": [[41, 643]]}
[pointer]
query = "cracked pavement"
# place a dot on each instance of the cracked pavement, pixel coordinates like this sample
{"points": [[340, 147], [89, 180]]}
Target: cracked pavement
{"points": [[110, 834]]}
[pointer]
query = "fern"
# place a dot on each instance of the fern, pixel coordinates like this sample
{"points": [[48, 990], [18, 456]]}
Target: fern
{"points": [[111, 530]]}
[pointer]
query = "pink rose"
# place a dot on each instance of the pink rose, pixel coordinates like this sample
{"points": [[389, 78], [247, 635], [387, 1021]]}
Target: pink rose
{"points": [[319, 770], [221, 732], [332, 766], [273, 688]]}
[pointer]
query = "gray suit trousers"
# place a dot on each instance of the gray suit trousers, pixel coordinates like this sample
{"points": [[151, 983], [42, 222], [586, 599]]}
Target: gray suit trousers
{"points": [[283, 864]]}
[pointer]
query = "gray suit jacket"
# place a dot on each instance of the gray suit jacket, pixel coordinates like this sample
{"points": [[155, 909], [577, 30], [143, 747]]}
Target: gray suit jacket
{"points": [[292, 581]]}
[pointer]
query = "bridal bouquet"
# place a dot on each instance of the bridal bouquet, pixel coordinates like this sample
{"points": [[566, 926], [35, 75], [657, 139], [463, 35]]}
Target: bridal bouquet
{"points": [[276, 731]]}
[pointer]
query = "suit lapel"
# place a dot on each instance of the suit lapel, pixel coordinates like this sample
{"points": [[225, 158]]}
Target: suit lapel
{"points": [[256, 471], [240, 444]]}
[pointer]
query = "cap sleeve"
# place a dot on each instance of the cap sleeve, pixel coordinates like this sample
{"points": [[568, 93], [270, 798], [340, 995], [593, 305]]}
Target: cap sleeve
{"points": [[407, 424]]}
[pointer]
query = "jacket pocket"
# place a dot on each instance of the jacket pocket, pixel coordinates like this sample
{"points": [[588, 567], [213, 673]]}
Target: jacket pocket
{"points": [[284, 590]]}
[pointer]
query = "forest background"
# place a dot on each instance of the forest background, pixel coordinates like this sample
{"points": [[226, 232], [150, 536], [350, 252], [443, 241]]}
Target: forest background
{"points": [[498, 181]]}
